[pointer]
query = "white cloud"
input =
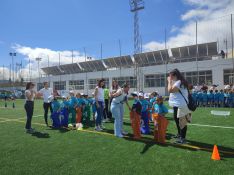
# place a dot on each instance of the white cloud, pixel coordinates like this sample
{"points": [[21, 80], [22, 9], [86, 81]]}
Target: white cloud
{"points": [[45, 54], [214, 21]]}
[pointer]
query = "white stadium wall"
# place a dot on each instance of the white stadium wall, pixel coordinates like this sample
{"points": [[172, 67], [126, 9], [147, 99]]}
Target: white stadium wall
{"points": [[215, 66]]}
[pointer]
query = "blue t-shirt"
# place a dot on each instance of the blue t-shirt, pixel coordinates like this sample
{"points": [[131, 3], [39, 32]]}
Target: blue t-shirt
{"points": [[144, 104], [204, 96], [200, 95], [216, 96], [210, 96], [151, 102], [81, 102], [73, 102], [136, 106], [65, 104], [160, 109], [221, 96], [194, 95], [55, 105]]}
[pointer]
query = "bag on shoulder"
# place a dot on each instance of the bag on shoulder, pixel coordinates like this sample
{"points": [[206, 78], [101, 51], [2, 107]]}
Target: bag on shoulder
{"points": [[190, 103]]}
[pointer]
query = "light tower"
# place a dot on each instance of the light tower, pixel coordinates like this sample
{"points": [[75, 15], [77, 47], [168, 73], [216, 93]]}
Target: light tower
{"points": [[136, 6], [38, 67]]}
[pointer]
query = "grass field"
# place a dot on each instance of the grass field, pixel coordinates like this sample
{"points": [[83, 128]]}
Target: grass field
{"points": [[51, 151]]}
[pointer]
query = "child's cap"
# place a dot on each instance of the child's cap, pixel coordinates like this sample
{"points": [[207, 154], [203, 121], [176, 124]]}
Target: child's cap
{"points": [[227, 87], [71, 92], [141, 94], [82, 94], [159, 98], [64, 97], [134, 93], [146, 95], [50, 98], [92, 93]]}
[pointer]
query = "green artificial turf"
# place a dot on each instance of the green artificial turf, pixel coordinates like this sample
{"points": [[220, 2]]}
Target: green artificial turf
{"points": [[51, 151]]}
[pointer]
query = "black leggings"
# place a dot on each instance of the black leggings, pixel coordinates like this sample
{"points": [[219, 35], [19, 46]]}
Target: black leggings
{"points": [[46, 107], [29, 107], [181, 132]]}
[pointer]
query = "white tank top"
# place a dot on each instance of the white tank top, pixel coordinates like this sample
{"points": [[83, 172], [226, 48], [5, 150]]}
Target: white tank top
{"points": [[100, 94]]}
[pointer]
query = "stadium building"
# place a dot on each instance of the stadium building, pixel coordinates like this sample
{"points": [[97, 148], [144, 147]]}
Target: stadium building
{"points": [[200, 64]]}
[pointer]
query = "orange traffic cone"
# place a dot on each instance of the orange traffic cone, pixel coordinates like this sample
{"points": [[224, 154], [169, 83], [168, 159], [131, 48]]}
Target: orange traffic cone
{"points": [[215, 154]]}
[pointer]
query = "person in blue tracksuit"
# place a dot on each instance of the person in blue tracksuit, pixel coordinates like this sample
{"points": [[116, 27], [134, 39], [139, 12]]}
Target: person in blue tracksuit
{"points": [[72, 108], [195, 96], [210, 98], [221, 98], [226, 95], [204, 98], [144, 114], [216, 98], [55, 116], [64, 112], [200, 98], [152, 101], [229, 99]]}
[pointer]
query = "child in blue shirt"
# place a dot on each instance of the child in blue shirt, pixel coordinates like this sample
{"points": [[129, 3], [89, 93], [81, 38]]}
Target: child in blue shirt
{"points": [[64, 112], [200, 98], [210, 98], [216, 98], [144, 114], [221, 98], [204, 98], [72, 108], [56, 107], [160, 122], [195, 96]]}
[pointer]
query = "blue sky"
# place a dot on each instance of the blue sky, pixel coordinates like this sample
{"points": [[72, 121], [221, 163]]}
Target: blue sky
{"points": [[32, 27], [74, 24]]}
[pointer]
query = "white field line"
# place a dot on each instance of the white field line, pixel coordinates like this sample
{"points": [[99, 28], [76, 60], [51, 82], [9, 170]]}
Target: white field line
{"points": [[201, 125]]}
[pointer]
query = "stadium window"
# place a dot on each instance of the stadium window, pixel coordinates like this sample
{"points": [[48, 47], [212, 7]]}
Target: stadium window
{"points": [[155, 80], [228, 76], [59, 85], [205, 77], [93, 83], [130, 80], [76, 84]]}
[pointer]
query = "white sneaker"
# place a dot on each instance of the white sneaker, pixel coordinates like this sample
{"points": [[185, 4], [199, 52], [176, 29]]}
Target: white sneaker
{"points": [[120, 136], [124, 133], [98, 128]]}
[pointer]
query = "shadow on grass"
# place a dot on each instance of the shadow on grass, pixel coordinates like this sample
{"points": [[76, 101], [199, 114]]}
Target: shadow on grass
{"points": [[225, 152], [40, 135]]}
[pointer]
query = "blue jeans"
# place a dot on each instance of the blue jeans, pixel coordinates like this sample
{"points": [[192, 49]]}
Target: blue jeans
{"points": [[99, 113], [116, 110]]}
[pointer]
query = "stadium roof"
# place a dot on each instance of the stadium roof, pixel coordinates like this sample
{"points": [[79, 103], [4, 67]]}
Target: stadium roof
{"points": [[189, 53], [151, 58], [123, 61], [180, 54], [91, 66]]}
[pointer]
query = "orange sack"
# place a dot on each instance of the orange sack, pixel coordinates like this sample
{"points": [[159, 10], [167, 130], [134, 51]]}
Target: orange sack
{"points": [[160, 129], [136, 124], [78, 115]]}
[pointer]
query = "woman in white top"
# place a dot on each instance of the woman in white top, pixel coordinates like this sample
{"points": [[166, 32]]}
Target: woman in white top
{"points": [[117, 109], [178, 89], [113, 90], [29, 105], [99, 102]]}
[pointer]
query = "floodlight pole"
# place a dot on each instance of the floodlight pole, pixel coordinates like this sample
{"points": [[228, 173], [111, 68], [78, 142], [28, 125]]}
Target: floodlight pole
{"points": [[136, 6], [197, 57], [232, 45], [86, 75], [38, 67], [12, 54]]}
